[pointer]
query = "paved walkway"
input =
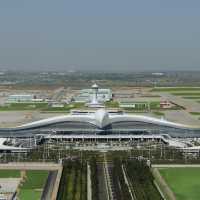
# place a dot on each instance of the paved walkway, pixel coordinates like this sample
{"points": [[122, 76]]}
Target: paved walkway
{"points": [[30, 166], [89, 184], [167, 192], [133, 196], [107, 180]]}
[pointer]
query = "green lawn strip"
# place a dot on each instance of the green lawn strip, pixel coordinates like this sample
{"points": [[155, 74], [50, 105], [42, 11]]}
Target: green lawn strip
{"points": [[186, 94], [157, 113], [70, 185], [23, 106], [84, 181], [40, 106], [9, 174], [78, 185], [184, 182], [195, 113], [175, 89], [154, 105], [194, 97], [35, 179], [112, 104], [62, 109], [29, 194], [56, 111]]}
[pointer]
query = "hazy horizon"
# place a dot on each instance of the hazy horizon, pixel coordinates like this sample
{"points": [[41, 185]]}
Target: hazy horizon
{"points": [[107, 35]]}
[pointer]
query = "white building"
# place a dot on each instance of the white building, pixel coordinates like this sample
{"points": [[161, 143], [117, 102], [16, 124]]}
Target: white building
{"points": [[15, 98], [86, 95], [23, 98]]}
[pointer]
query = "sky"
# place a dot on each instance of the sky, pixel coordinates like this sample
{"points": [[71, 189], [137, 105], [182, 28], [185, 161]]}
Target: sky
{"points": [[98, 35]]}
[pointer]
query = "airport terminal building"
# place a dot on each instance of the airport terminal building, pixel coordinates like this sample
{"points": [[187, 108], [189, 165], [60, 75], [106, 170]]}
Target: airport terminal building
{"points": [[101, 124]]}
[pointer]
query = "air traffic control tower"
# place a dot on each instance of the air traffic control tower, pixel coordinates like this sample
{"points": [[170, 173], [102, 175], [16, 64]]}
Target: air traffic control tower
{"points": [[94, 101]]}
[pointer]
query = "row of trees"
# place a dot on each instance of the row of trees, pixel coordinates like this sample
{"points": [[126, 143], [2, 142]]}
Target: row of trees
{"points": [[94, 178], [142, 180], [73, 184], [119, 184]]}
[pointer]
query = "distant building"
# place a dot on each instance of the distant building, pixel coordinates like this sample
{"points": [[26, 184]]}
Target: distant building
{"points": [[158, 73], [135, 105], [23, 98], [165, 104], [57, 105], [86, 95]]}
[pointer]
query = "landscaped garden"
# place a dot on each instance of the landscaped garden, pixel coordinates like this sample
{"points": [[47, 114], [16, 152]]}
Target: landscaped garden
{"points": [[32, 185]]}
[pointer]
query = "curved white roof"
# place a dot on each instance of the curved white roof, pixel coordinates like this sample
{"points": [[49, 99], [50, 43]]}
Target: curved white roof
{"points": [[101, 119]]}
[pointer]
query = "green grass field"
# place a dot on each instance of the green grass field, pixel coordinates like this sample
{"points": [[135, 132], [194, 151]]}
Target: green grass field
{"points": [[184, 182], [9, 174], [195, 113], [194, 97], [157, 113], [33, 186]]}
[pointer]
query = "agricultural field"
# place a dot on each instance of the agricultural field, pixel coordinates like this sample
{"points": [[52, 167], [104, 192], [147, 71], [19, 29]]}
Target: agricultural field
{"points": [[184, 182]]}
